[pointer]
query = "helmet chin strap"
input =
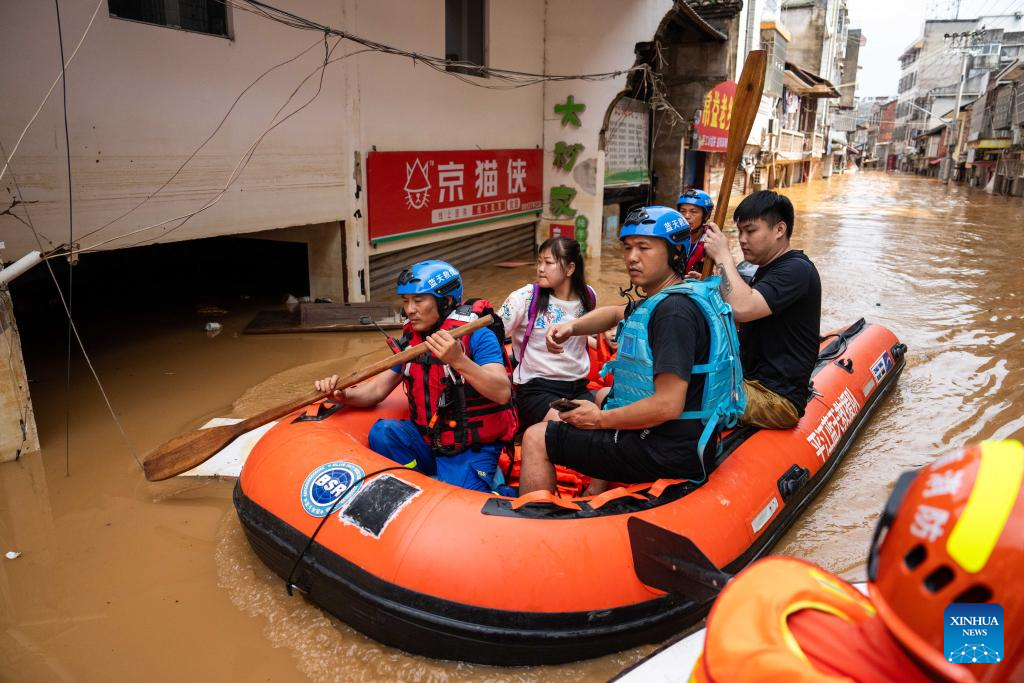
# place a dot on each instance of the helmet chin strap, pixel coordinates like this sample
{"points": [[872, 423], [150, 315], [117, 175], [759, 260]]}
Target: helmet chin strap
{"points": [[677, 260], [444, 309]]}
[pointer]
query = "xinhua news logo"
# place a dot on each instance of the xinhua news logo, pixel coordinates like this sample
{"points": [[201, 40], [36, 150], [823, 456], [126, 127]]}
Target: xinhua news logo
{"points": [[974, 633]]}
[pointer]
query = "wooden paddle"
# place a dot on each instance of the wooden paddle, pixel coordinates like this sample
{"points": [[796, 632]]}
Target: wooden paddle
{"points": [[184, 452], [744, 109]]}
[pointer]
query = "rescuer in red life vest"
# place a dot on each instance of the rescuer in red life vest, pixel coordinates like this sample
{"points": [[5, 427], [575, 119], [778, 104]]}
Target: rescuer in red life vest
{"points": [[460, 411], [952, 532], [696, 207]]}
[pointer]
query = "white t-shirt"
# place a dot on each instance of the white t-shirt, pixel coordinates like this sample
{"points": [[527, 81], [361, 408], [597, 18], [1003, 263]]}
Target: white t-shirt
{"points": [[572, 364]]}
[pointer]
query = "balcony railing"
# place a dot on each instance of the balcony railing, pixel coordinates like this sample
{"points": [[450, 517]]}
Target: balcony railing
{"points": [[790, 144], [815, 144]]}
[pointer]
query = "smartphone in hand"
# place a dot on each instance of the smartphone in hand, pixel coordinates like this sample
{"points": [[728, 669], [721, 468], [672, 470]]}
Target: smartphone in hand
{"points": [[564, 405]]}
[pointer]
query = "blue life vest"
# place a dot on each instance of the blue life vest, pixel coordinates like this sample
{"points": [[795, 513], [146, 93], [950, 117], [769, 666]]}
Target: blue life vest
{"points": [[724, 398]]}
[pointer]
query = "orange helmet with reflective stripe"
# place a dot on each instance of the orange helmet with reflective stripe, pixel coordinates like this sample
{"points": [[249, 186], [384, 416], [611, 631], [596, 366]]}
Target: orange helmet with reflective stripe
{"points": [[953, 531]]}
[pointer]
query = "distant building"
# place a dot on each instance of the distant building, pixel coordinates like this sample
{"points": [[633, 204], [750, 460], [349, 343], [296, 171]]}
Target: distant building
{"points": [[930, 74]]}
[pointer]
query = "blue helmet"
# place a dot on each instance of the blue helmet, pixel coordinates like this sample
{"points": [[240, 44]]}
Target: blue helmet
{"points": [[437, 278], [657, 221], [697, 198]]}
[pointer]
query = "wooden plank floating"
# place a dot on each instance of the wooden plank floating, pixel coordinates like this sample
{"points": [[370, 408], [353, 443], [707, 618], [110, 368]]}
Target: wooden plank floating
{"points": [[310, 317]]}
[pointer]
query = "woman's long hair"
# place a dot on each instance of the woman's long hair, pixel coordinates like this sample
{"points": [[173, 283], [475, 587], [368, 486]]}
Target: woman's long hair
{"points": [[566, 251]]}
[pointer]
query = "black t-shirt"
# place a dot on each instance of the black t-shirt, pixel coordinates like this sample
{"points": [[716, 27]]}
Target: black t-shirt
{"points": [[780, 350], [679, 338]]}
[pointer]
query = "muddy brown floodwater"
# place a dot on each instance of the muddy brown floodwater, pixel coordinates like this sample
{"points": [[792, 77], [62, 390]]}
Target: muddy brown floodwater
{"points": [[120, 578]]}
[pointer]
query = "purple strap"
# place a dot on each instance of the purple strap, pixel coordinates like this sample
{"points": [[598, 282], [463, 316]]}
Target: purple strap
{"points": [[533, 315], [530, 322]]}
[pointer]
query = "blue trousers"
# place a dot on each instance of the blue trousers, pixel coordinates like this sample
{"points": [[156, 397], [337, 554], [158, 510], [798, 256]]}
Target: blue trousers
{"points": [[399, 440]]}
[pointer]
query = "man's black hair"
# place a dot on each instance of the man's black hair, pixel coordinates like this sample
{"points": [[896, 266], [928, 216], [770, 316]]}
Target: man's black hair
{"points": [[771, 206]]}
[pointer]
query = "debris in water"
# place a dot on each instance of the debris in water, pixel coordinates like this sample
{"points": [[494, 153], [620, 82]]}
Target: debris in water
{"points": [[12, 555], [213, 329], [211, 310]]}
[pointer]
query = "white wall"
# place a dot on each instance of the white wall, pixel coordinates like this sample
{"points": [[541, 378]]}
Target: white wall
{"points": [[141, 97], [401, 105], [600, 39]]}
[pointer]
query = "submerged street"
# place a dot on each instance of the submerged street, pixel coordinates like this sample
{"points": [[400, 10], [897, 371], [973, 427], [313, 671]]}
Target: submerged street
{"points": [[156, 581]]}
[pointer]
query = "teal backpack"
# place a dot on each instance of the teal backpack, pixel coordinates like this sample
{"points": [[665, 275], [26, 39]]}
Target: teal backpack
{"points": [[633, 367]]}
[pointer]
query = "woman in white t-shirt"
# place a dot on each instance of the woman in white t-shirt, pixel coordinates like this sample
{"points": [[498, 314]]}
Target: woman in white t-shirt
{"points": [[559, 295]]}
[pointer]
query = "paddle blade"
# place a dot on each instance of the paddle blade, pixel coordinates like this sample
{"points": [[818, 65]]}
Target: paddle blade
{"points": [[665, 560], [184, 452], [744, 110]]}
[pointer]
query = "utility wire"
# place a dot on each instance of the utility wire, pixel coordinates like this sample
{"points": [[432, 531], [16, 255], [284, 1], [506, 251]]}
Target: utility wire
{"points": [[71, 242], [510, 78], [67, 311], [235, 174], [203, 144]]}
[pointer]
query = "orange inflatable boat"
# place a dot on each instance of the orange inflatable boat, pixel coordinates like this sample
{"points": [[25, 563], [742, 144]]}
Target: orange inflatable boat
{"points": [[450, 573]]}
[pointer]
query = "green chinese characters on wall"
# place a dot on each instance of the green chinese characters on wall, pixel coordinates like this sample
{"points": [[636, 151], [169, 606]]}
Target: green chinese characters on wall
{"points": [[565, 153], [581, 231]]}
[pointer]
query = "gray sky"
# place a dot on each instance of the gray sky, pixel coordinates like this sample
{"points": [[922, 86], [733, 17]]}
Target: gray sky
{"points": [[890, 26]]}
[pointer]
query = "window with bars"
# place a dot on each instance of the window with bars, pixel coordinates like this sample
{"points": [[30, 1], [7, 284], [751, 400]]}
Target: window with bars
{"points": [[464, 31], [201, 16]]}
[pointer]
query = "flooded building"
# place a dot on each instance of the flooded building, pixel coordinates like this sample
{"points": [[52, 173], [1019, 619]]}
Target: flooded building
{"points": [[319, 152], [808, 40], [928, 63], [873, 122], [995, 136], [931, 69]]}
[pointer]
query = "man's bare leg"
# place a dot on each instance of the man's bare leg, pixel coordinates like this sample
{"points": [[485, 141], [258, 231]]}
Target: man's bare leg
{"points": [[536, 472]]}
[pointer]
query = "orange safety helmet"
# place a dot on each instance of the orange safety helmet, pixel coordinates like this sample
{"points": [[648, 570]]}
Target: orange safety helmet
{"points": [[953, 531]]}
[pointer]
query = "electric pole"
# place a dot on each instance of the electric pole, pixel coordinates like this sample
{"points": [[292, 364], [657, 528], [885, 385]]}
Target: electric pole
{"points": [[963, 43]]}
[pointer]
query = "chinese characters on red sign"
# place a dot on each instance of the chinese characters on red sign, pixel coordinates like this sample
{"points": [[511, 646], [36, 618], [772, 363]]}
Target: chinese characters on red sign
{"points": [[713, 127], [413, 191]]}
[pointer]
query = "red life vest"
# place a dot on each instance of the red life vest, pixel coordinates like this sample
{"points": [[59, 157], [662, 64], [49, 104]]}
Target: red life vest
{"points": [[598, 357], [783, 619], [450, 414], [696, 260]]}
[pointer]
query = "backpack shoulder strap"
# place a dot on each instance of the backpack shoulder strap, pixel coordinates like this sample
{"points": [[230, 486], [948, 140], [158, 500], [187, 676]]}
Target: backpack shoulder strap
{"points": [[531, 320]]}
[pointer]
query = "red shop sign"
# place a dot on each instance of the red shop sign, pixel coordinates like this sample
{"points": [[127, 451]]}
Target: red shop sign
{"points": [[563, 230], [414, 192], [715, 116]]}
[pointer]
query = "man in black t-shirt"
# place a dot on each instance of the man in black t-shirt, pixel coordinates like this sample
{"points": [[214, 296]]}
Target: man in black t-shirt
{"points": [[644, 440], [779, 312]]}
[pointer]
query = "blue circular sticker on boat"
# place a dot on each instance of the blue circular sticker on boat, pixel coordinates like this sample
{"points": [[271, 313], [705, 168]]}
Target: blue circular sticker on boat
{"points": [[329, 482]]}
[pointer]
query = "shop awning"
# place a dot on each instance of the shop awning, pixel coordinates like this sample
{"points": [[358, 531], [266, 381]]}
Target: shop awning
{"points": [[993, 143], [806, 83], [698, 21]]}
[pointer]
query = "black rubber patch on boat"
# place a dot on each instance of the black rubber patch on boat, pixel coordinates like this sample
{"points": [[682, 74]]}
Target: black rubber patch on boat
{"points": [[323, 411], [378, 503]]}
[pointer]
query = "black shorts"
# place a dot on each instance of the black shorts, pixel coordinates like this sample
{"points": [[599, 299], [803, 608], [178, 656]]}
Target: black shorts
{"points": [[627, 456], [533, 399]]}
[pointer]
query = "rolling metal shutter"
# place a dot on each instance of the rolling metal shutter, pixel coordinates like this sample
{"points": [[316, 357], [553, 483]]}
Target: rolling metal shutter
{"points": [[462, 252]]}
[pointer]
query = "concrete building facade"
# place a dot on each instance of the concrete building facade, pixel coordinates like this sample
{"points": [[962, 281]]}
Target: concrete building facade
{"points": [[187, 123]]}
